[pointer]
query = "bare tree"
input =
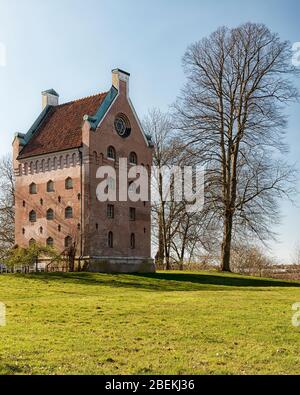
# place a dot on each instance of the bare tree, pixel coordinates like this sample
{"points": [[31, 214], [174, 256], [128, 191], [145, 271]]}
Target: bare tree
{"points": [[231, 113], [177, 233], [250, 259], [7, 201], [158, 126]]}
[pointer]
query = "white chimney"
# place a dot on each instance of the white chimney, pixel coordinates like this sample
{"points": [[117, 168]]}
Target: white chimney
{"points": [[49, 98], [120, 80]]}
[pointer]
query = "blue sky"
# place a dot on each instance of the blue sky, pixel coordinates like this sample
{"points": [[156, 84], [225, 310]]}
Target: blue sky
{"points": [[72, 45]]}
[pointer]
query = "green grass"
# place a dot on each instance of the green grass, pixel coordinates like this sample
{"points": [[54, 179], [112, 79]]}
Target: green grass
{"points": [[165, 323]]}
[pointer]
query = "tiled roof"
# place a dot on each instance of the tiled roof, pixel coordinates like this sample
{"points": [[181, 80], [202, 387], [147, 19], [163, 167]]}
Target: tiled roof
{"points": [[61, 128]]}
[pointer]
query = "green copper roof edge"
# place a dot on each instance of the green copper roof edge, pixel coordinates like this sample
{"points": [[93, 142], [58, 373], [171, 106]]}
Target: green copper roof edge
{"points": [[107, 102], [26, 137]]}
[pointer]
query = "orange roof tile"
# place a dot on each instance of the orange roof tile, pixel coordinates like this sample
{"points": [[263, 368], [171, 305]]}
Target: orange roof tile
{"points": [[61, 128]]}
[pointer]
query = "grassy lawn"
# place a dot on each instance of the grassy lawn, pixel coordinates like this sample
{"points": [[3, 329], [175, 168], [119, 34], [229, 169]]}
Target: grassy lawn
{"points": [[165, 323]]}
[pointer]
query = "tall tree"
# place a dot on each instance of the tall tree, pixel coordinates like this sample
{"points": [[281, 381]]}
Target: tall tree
{"points": [[158, 126], [177, 233], [231, 111]]}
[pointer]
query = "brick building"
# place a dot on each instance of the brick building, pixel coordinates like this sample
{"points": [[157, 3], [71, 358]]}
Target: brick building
{"points": [[55, 164]]}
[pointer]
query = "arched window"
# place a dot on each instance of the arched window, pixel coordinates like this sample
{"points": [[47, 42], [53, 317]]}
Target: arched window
{"points": [[132, 241], [111, 152], [69, 183], [37, 164], [110, 239], [50, 214], [69, 212], [32, 216], [50, 186], [49, 164], [32, 189], [41, 230], [68, 241], [50, 242], [32, 242], [133, 158]]}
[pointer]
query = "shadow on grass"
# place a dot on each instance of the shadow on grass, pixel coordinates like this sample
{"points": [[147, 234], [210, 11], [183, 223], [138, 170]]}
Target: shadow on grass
{"points": [[168, 281], [7, 370]]}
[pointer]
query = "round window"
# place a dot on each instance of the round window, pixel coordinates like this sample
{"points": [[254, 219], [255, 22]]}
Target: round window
{"points": [[122, 126]]}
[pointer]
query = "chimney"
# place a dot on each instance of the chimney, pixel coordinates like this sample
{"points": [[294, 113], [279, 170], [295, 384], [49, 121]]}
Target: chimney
{"points": [[49, 98], [120, 80]]}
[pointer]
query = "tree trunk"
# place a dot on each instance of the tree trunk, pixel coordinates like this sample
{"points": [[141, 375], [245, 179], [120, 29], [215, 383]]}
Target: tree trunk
{"points": [[168, 264], [71, 257], [161, 252], [226, 244]]}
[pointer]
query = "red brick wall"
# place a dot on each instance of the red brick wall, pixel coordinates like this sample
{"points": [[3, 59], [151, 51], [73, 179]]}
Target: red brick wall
{"points": [[50, 200], [95, 241], [121, 226]]}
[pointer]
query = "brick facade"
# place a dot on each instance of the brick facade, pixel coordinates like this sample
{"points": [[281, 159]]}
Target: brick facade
{"points": [[90, 224]]}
